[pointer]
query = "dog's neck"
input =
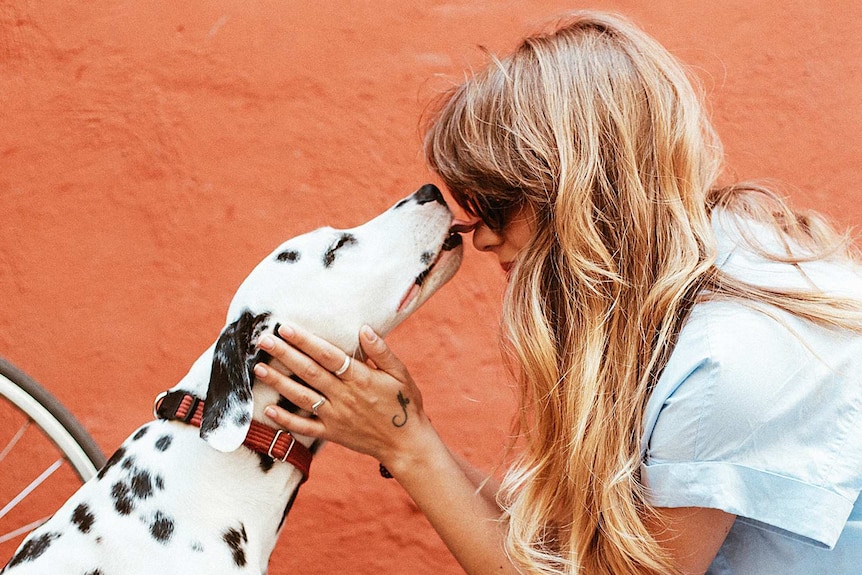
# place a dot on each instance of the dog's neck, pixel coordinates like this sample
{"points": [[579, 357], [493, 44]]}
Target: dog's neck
{"points": [[196, 382], [265, 493]]}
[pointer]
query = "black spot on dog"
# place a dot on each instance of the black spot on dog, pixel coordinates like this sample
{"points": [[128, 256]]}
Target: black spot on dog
{"points": [[427, 258], [162, 527], [141, 432], [235, 540], [114, 459], [128, 462], [122, 495], [266, 462], [197, 546], [142, 484], [164, 442], [288, 256], [94, 572], [83, 518], [160, 483], [33, 549], [343, 240]]}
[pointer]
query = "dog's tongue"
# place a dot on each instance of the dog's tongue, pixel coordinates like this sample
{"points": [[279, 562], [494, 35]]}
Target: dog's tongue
{"points": [[411, 295]]}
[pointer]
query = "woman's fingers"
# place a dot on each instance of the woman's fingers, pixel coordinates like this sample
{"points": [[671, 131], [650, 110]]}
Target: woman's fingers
{"points": [[377, 351], [378, 396], [296, 423], [297, 362], [321, 351], [300, 395], [363, 408]]}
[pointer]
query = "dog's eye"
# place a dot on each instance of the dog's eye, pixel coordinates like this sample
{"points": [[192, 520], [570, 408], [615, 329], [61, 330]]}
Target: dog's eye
{"points": [[343, 240]]}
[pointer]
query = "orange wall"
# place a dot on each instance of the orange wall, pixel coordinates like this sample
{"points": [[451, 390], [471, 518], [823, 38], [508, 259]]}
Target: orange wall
{"points": [[152, 152]]}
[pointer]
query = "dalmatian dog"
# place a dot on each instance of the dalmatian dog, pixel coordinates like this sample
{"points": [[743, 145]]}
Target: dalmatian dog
{"points": [[184, 493]]}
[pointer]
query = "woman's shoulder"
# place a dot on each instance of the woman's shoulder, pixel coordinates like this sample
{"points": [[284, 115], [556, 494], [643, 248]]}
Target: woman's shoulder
{"points": [[754, 402], [757, 253], [740, 367]]}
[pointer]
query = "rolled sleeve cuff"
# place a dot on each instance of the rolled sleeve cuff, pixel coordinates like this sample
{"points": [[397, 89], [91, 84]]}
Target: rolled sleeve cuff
{"points": [[766, 500]]}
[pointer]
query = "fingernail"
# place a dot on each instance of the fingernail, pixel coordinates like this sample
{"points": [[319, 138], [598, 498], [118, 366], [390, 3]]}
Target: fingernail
{"points": [[286, 331], [270, 412], [369, 333], [267, 342], [260, 370]]}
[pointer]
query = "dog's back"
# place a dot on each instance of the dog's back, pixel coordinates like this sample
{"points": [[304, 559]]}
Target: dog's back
{"points": [[165, 493]]}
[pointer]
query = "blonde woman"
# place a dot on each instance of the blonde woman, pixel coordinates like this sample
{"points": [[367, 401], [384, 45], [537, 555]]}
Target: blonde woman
{"points": [[689, 355]]}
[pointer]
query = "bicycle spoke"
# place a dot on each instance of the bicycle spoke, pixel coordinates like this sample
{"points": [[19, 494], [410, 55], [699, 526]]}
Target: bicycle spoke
{"points": [[22, 530], [29, 489], [18, 435], [36, 430]]}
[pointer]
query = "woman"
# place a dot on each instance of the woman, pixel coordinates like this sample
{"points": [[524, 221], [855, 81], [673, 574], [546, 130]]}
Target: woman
{"points": [[689, 355]]}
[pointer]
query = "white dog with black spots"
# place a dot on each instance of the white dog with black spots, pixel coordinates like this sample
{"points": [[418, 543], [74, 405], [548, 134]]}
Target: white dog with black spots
{"points": [[177, 498]]}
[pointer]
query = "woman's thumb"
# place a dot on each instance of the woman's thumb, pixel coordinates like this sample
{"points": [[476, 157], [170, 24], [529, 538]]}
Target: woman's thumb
{"points": [[377, 351]]}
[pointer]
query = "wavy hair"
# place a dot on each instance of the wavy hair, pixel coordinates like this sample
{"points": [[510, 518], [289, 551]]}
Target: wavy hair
{"points": [[601, 132]]}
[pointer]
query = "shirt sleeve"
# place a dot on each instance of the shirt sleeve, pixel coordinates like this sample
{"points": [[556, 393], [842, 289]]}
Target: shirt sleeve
{"points": [[760, 415]]}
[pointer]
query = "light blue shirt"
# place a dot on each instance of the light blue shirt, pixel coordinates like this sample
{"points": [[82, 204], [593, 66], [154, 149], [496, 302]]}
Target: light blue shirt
{"points": [[759, 413]]}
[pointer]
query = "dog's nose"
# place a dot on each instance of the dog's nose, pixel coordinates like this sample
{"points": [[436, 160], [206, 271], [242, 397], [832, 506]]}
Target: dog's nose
{"points": [[429, 193]]}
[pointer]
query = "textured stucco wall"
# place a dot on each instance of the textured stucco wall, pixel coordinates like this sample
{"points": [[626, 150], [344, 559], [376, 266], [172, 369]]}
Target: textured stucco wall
{"points": [[152, 152]]}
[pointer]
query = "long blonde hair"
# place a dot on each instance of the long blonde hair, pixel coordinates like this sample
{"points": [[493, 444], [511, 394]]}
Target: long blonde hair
{"points": [[598, 129]]}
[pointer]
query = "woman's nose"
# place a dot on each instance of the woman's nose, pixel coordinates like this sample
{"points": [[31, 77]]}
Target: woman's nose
{"points": [[484, 239]]}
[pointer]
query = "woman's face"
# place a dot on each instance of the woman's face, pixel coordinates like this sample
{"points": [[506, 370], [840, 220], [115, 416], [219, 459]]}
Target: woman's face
{"points": [[507, 243]]}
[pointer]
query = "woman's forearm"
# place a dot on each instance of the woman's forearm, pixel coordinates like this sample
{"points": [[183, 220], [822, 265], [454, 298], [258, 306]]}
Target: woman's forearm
{"points": [[480, 479], [358, 414], [445, 489]]}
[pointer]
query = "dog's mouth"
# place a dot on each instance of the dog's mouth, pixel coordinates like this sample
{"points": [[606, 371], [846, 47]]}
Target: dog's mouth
{"points": [[453, 240]]}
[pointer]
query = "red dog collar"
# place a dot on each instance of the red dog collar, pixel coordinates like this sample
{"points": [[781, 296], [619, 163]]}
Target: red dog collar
{"points": [[278, 444]]}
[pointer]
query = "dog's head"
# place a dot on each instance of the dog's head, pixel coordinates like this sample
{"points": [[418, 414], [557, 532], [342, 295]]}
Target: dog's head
{"points": [[330, 282]]}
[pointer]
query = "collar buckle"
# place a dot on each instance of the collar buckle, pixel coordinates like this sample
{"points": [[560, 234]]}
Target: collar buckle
{"points": [[275, 440]]}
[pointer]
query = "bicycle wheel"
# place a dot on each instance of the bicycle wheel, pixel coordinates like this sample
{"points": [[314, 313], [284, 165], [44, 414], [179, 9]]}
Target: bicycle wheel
{"points": [[45, 455]]}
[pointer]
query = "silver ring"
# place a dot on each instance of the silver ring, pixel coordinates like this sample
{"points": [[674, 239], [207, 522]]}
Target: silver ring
{"points": [[317, 405], [344, 367]]}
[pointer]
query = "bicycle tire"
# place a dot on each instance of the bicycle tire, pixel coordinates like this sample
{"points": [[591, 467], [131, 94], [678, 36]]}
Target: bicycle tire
{"points": [[56, 422]]}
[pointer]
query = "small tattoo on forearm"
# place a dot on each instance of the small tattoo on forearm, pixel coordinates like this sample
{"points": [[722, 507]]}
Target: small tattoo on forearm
{"points": [[395, 418]]}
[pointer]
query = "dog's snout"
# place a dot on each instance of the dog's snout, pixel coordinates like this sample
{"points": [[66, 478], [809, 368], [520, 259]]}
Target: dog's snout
{"points": [[429, 193]]}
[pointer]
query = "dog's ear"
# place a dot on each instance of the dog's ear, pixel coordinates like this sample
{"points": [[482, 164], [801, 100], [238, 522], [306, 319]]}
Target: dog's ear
{"points": [[228, 408]]}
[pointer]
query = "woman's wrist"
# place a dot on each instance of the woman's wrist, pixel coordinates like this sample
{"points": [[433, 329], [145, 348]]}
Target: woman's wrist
{"points": [[415, 450]]}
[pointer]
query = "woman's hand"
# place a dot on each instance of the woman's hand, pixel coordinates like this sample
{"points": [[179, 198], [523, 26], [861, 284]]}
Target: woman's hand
{"points": [[373, 409], [376, 409]]}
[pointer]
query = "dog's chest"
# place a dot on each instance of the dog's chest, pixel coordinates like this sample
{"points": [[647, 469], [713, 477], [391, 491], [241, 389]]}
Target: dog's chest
{"points": [[165, 494]]}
